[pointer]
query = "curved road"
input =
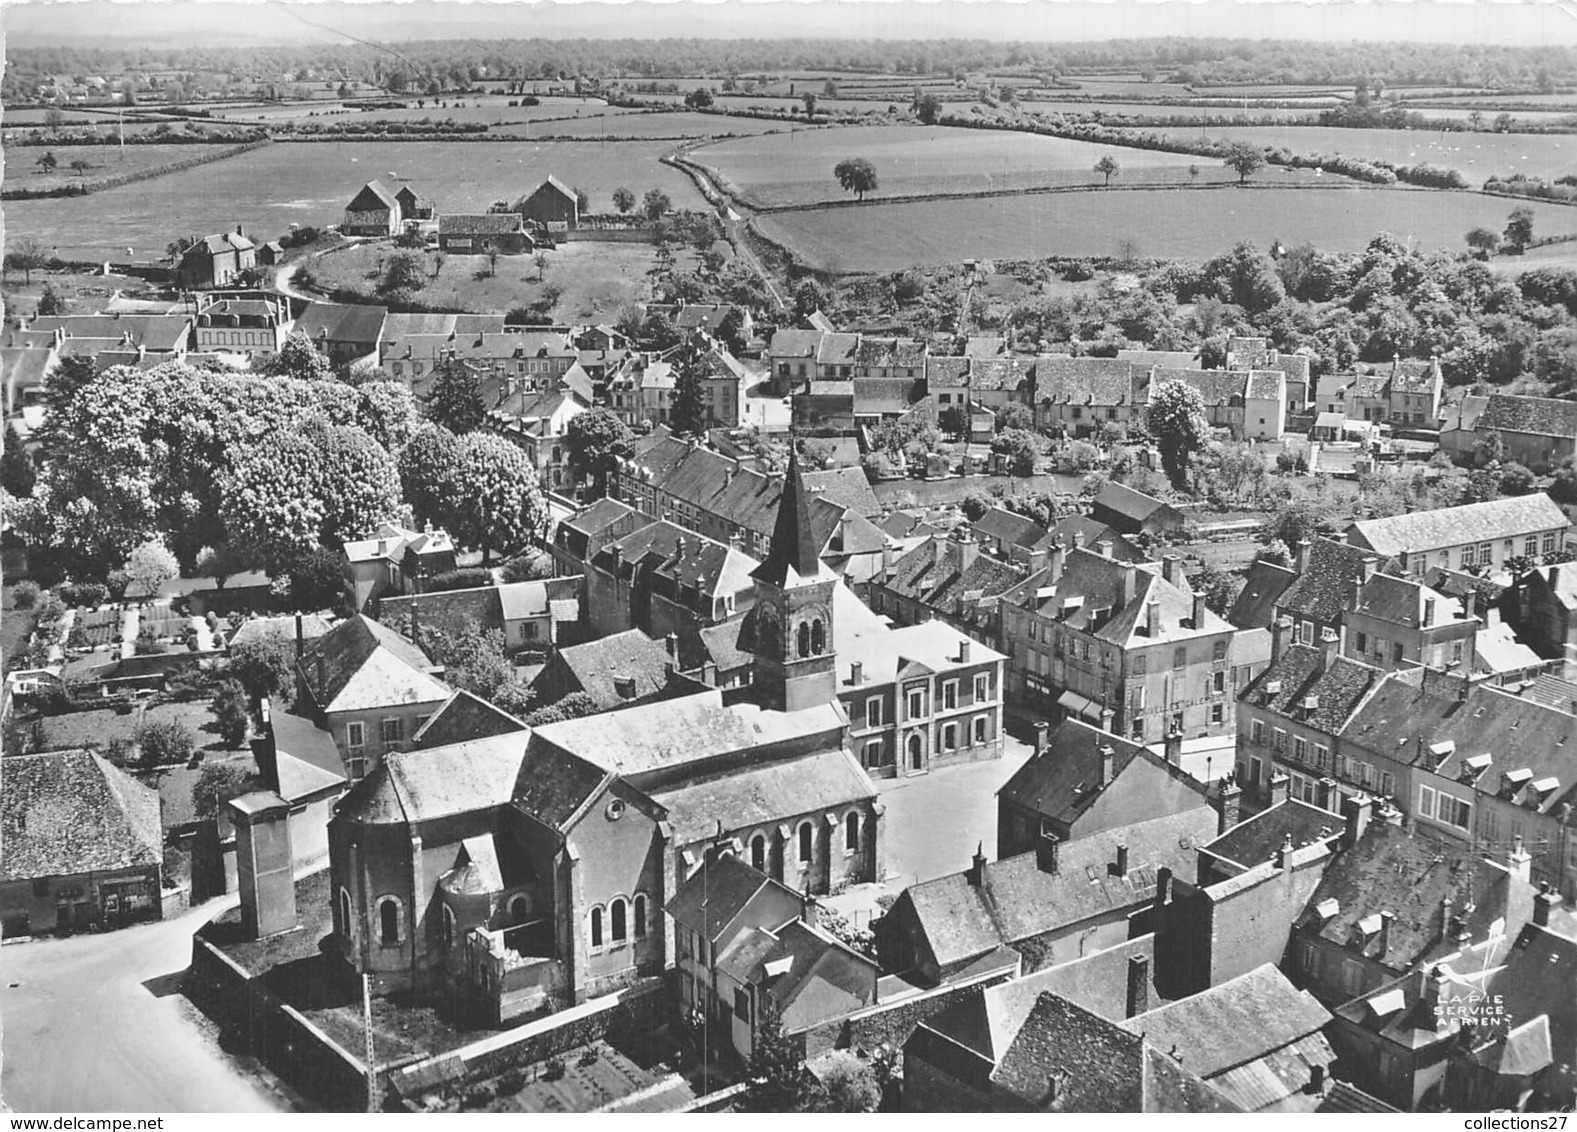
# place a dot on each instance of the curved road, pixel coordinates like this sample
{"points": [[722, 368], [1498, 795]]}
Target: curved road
{"points": [[96, 1023]]}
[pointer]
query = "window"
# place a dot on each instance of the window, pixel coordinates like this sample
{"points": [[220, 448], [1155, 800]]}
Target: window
{"points": [[1306, 632], [355, 735], [344, 911], [1256, 730], [1456, 652], [1281, 740], [818, 638], [1218, 651], [916, 752], [1177, 721], [805, 835], [1138, 728], [1362, 640], [1218, 682], [619, 929], [1396, 652], [982, 687], [1469, 556], [742, 1004], [873, 712], [873, 755], [1180, 657], [982, 729], [851, 832], [1454, 811], [950, 737], [950, 695], [1352, 977], [596, 928], [448, 927], [1300, 748], [916, 702], [1218, 713], [1426, 802], [389, 731], [1141, 665], [1486, 553], [1322, 757], [1547, 546], [804, 638], [389, 927]]}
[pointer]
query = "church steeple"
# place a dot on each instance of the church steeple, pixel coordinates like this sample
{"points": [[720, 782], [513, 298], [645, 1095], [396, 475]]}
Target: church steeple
{"points": [[793, 556]]}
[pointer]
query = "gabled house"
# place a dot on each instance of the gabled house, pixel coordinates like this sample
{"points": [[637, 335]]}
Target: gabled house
{"points": [[1318, 597], [1077, 396], [578, 538], [1539, 432], [370, 688], [216, 261], [394, 560], [1544, 609], [344, 333], [413, 207], [946, 578], [481, 233], [254, 326], [300, 762], [615, 671], [533, 616], [374, 211], [1264, 583], [1394, 622], [1483, 535], [538, 425], [1133, 512]]}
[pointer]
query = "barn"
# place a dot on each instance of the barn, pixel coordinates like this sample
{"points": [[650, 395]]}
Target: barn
{"points": [[552, 203]]}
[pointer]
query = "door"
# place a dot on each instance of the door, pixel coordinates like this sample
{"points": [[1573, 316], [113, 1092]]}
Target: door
{"points": [[916, 753]]}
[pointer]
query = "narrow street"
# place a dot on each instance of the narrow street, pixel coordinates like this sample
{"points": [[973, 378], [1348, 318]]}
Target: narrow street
{"points": [[96, 1023]]}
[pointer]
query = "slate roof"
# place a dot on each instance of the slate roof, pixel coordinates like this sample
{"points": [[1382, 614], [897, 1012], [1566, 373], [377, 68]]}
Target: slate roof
{"points": [[632, 655], [1257, 839], [884, 652], [463, 717], [1235, 1022], [313, 626], [1266, 385], [1010, 527], [374, 194], [1528, 740], [947, 373], [1064, 780], [1217, 387], [342, 322], [555, 785], [925, 575], [1343, 1097], [480, 224], [63, 813], [1391, 870], [716, 893], [793, 555], [847, 487], [1266, 582], [367, 665], [672, 552], [887, 395], [598, 516], [306, 758], [1068, 530], [157, 333], [1124, 500], [1086, 381], [1420, 531], [1321, 591], [1405, 601], [1015, 900], [409, 787], [755, 795], [1002, 374], [1539, 416], [1297, 674], [811, 976]]}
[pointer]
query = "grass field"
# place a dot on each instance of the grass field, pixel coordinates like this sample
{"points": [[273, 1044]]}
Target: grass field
{"points": [[310, 182], [594, 280], [488, 109], [1163, 110], [1165, 224], [104, 161], [796, 168], [1476, 155], [659, 124]]}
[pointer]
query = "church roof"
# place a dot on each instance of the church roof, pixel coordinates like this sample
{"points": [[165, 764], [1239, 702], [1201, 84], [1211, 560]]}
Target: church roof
{"points": [[793, 555]]}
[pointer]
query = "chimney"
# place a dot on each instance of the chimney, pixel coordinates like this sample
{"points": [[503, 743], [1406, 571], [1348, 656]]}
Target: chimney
{"points": [[1163, 885], [1280, 636], [857, 673], [1229, 803], [977, 866], [1051, 1090], [1108, 759], [1316, 1079], [1429, 612], [963, 652], [264, 748], [1470, 601], [1152, 618], [1387, 918], [671, 642], [1199, 611], [1046, 853], [624, 686], [1519, 860], [1174, 747], [1120, 866], [1285, 851], [264, 863], [1106, 718], [238, 231], [967, 548], [1330, 647], [1543, 904], [1301, 556], [1037, 560], [887, 559], [1041, 730], [1054, 558], [1370, 565], [1138, 985], [416, 624], [1280, 786], [1434, 991], [1326, 795], [301, 639], [1356, 811], [1169, 568], [1103, 547], [1078, 540], [1447, 905], [618, 558]]}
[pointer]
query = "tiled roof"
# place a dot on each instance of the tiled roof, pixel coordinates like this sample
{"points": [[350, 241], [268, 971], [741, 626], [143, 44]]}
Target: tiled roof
{"points": [[1009, 527], [1420, 531], [887, 395], [888, 352], [1255, 605], [1088, 597], [556, 785], [598, 516], [1081, 530], [1266, 384], [1124, 500], [599, 665], [464, 717], [1320, 593], [836, 349], [1216, 386], [830, 781], [926, 574], [1002, 374], [1086, 381], [1297, 674], [1234, 1022], [947, 373], [1256, 840], [1540, 416], [480, 224], [716, 893], [709, 568], [1064, 780], [367, 665], [417, 786], [64, 813]]}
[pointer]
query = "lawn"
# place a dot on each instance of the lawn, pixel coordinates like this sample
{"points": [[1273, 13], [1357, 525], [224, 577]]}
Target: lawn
{"points": [[796, 168], [1165, 224], [100, 729], [1476, 155], [103, 161], [595, 280], [16, 625], [310, 182]]}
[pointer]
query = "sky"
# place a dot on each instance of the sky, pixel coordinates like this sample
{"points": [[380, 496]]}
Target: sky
{"points": [[182, 22]]}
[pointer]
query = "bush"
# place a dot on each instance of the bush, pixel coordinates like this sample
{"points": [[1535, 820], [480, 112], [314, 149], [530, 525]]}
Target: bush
{"points": [[25, 595], [469, 578], [116, 582], [230, 712], [527, 568], [89, 595], [554, 1069], [50, 609], [165, 741]]}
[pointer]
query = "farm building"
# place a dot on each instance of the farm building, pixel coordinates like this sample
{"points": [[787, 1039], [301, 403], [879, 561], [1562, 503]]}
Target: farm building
{"points": [[374, 211], [413, 207], [270, 253], [1133, 512], [483, 232], [552, 203], [344, 332], [217, 260]]}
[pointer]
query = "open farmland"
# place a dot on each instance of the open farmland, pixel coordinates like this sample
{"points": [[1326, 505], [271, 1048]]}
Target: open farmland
{"points": [[657, 124], [1476, 155], [309, 183], [1173, 224], [487, 109], [796, 168], [1168, 110], [103, 162]]}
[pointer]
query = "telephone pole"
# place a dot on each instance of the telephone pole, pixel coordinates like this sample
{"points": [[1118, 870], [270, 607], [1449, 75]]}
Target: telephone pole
{"points": [[370, 1054]]}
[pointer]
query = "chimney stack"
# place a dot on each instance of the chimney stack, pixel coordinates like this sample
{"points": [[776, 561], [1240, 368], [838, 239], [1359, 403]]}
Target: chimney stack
{"points": [[857, 673], [671, 642], [1301, 556], [1356, 811], [1106, 718], [1104, 547], [1447, 906], [1330, 647], [1120, 866], [1046, 853], [1280, 636], [1152, 618], [1434, 991], [1169, 568], [1285, 851], [1054, 559], [1199, 611], [1108, 761], [1370, 565], [1163, 885], [1519, 860], [977, 866], [1138, 985], [963, 652], [1174, 747], [1387, 919], [1229, 805], [1543, 904], [1280, 787], [1041, 730]]}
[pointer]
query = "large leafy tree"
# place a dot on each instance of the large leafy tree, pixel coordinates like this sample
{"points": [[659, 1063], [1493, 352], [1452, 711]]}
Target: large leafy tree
{"points": [[297, 358], [1176, 418], [387, 410], [455, 400], [857, 175], [597, 440], [497, 504], [688, 414], [16, 466], [1244, 159], [427, 469], [778, 1080]]}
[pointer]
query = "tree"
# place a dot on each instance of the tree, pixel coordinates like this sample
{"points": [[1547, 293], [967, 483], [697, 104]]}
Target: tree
{"points": [[48, 162], [1483, 242], [232, 713], [16, 466], [850, 1084], [164, 741], [1015, 416], [1022, 448], [1515, 479], [297, 358], [219, 563], [597, 440], [80, 167], [928, 108], [1193, 174], [699, 99], [50, 303], [1108, 167], [777, 1065], [576, 705], [655, 203], [582, 200], [809, 98], [1519, 230], [623, 200], [954, 420], [151, 565], [689, 404], [857, 175], [54, 118], [427, 469], [455, 400], [1220, 589], [1176, 419], [497, 504], [474, 661], [403, 271], [809, 297], [27, 255], [1244, 159]]}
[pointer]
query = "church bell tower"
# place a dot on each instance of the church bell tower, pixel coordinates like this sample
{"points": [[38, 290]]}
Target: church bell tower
{"points": [[793, 608]]}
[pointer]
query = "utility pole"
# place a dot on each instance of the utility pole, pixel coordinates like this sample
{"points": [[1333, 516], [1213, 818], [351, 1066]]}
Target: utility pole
{"points": [[369, 1053]]}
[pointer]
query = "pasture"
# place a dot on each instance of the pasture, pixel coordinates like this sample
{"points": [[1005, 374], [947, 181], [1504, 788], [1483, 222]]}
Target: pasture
{"points": [[1476, 155], [310, 183], [101, 162], [1165, 110], [796, 168], [1166, 224]]}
